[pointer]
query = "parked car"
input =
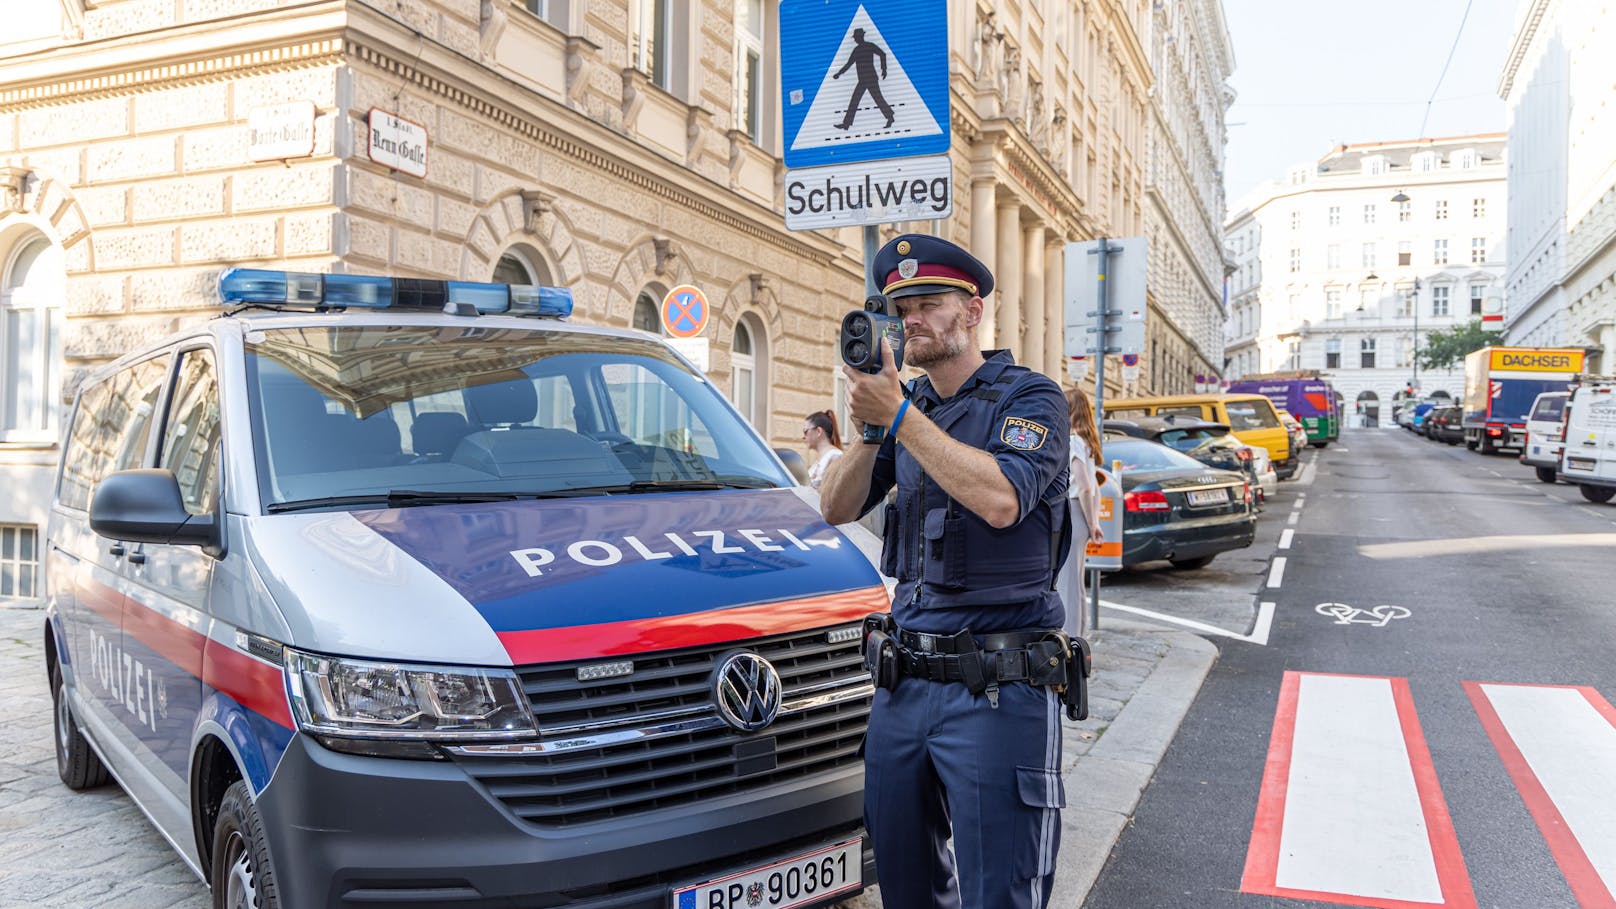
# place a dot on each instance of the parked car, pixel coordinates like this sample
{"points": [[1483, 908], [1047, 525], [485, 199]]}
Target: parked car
{"points": [[1177, 508], [1210, 443], [1416, 415], [1297, 431], [1251, 417], [443, 600], [1445, 424], [1545, 434], [1589, 459]]}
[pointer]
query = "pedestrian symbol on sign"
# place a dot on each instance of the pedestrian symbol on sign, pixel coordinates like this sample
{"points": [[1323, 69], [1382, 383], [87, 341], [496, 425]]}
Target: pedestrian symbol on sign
{"points": [[864, 54]]}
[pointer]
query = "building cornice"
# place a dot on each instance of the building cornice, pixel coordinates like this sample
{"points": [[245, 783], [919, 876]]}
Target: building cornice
{"points": [[1533, 18]]}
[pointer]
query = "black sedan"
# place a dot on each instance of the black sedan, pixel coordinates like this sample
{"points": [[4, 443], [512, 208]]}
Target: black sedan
{"points": [[1178, 509], [1445, 424]]}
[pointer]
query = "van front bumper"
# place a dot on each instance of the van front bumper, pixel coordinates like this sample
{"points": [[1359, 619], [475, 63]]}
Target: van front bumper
{"points": [[348, 830]]}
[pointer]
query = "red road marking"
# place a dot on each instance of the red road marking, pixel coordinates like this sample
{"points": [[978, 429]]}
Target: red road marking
{"points": [[1586, 884], [1262, 857]]}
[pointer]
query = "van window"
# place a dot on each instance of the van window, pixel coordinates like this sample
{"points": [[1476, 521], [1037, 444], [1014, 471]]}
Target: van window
{"points": [[112, 428], [357, 410], [1550, 408], [191, 438], [1180, 410], [1255, 414]]}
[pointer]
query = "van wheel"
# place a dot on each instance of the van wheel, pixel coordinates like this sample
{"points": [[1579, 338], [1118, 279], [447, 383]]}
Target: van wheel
{"points": [[1318, 444], [1597, 494], [1192, 564], [243, 877], [1545, 474], [76, 762]]}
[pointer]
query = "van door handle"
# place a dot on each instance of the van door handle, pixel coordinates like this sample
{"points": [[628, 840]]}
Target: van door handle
{"points": [[117, 549], [137, 558]]}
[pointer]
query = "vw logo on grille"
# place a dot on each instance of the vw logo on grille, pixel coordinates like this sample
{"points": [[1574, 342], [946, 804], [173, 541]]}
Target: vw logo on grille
{"points": [[746, 690]]}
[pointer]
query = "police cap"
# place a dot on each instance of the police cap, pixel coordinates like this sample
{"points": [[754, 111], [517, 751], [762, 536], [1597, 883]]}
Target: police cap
{"points": [[913, 264]]}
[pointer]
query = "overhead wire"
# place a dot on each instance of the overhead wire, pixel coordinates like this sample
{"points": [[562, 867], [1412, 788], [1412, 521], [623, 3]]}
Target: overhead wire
{"points": [[1460, 34]]}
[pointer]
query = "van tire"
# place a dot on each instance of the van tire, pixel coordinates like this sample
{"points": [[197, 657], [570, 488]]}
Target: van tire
{"points": [[242, 872], [1545, 474], [76, 762], [1318, 444], [1598, 495]]}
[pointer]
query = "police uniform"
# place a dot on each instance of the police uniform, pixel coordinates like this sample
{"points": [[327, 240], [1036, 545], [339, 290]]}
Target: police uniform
{"points": [[946, 747]]}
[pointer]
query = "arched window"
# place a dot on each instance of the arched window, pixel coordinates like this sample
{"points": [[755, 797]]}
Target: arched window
{"points": [[749, 380], [33, 283], [646, 315], [521, 265]]}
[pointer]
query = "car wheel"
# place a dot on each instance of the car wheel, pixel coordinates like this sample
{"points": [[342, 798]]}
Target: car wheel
{"points": [[1545, 474], [1597, 494], [1192, 564], [76, 762], [242, 875]]}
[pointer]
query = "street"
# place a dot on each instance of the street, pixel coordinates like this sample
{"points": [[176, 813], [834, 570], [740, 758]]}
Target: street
{"points": [[1364, 755]]}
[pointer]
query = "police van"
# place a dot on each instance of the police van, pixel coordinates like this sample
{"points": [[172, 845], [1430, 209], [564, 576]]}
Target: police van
{"points": [[392, 592], [1588, 458]]}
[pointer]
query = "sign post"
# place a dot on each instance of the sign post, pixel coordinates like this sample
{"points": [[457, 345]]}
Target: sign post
{"points": [[1115, 318]]}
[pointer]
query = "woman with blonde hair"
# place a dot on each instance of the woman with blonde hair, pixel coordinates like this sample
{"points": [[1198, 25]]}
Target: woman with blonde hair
{"points": [[1084, 488], [819, 431]]}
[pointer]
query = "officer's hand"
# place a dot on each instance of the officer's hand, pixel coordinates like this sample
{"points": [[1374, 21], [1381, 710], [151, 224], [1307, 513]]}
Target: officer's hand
{"points": [[874, 399]]}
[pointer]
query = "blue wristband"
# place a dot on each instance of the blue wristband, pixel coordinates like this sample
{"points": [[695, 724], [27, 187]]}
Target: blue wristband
{"points": [[898, 420]]}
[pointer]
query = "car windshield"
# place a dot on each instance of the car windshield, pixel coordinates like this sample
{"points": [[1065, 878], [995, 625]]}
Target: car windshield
{"points": [[407, 414], [1250, 415], [1141, 455]]}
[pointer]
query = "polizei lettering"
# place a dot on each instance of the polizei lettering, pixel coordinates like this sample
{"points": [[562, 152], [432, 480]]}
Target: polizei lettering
{"points": [[655, 547], [129, 681]]}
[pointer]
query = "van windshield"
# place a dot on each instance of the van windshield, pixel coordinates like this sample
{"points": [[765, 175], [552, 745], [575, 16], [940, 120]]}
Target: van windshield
{"points": [[1254, 414], [414, 414]]}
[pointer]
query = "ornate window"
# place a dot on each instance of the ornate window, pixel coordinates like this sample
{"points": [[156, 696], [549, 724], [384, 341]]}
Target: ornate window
{"points": [[32, 286]]}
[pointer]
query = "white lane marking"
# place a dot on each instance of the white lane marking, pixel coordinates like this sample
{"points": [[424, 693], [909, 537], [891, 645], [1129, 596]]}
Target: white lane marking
{"points": [[1352, 781], [1414, 549], [1339, 448], [1297, 504], [1295, 516], [1276, 574], [1552, 739], [1259, 632], [1285, 538]]}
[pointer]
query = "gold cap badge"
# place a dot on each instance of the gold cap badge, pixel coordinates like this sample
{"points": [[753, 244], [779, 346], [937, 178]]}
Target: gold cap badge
{"points": [[903, 247]]}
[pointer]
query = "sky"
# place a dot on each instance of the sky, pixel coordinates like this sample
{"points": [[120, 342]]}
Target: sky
{"points": [[1310, 76]]}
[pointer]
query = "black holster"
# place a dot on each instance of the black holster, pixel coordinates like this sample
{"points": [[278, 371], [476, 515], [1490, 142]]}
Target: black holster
{"points": [[1076, 693], [881, 657]]}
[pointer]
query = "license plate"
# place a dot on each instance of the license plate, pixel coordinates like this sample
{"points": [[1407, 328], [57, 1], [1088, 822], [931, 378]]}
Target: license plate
{"points": [[1209, 496], [1580, 463], [781, 885]]}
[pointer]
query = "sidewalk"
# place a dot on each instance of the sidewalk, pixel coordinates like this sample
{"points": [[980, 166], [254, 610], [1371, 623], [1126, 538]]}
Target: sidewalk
{"points": [[95, 849]]}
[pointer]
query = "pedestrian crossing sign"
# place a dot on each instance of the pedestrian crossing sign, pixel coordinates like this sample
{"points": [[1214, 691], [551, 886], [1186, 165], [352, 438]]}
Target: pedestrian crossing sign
{"points": [[863, 80]]}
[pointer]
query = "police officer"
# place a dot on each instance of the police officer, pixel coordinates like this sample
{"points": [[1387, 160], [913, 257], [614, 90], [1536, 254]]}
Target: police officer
{"points": [[965, 727]]}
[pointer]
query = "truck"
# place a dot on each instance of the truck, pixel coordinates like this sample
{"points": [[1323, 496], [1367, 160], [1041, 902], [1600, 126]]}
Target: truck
{"points": [[1306, 395], [1500, 385]]}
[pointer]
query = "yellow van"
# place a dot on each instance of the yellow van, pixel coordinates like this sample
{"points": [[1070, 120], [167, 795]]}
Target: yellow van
{"points": [[1250, 417]]}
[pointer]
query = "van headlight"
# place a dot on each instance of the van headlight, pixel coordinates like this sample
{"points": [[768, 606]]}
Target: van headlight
{"points": [[369, 699]]}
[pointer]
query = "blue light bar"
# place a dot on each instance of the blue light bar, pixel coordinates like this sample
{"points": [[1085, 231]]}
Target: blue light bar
{"points": [[303, 290]]}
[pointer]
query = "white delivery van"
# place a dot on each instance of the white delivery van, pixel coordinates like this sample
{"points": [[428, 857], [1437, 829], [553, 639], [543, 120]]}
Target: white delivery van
{"points": [[1589, 459], [378, 592], [1545, 428]]}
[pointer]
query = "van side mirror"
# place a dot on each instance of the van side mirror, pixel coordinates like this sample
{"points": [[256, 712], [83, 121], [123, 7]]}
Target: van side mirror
{"points": [[145, 506]]}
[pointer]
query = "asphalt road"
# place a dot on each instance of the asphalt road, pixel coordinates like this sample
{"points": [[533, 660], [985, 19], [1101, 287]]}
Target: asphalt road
{"points": [[1500, 579]]}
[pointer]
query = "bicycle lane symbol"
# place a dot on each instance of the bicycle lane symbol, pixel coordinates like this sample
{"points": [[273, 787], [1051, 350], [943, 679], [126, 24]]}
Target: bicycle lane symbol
{"points": [[1377, 617]]}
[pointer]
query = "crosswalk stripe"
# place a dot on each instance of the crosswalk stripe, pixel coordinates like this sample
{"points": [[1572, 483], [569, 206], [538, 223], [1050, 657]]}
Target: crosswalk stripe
{"points": [[1350, 810], [1558, 743]]}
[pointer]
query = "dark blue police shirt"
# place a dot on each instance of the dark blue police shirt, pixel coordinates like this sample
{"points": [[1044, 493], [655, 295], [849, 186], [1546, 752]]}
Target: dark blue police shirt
{"points": [[954, 570]]}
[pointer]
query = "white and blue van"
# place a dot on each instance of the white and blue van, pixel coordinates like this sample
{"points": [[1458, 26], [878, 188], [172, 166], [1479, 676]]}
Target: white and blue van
{"points": [[382, 592]]}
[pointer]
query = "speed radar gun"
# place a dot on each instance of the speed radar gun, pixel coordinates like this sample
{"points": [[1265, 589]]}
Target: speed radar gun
{"points": [[860, 344]]}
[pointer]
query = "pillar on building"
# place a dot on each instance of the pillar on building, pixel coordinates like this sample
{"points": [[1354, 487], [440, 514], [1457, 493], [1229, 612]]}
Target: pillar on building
{"points": [[1055, 309], [984, 246], [1007, 277], [1032, 336]]}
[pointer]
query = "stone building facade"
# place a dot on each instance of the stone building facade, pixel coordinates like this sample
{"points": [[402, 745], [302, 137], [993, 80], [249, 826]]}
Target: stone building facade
{"points": [[1333, 274], [619, 148], [1559, 82]]}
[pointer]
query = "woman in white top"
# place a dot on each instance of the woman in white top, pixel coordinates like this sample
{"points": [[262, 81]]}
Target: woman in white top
{"points": [[819, 432], [1084, 490]]}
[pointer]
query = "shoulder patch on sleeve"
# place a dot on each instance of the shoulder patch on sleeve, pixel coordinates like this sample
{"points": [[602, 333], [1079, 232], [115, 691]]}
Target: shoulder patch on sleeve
{"points": [[1023, 434]]}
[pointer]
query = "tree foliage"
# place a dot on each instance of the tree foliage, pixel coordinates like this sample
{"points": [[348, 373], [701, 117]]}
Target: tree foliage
{"points": [[1448, 347]]}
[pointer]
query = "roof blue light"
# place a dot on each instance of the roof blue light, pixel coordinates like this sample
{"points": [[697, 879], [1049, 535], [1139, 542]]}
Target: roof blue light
{"points": [[303, 290]]}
